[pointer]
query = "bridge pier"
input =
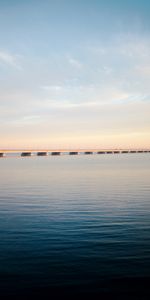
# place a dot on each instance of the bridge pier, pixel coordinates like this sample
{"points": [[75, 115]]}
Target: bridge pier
{"points": [[42, 153], [24, 154], [55, 153], [124, 151], [101, 152], [88, 152], [73, 153]]}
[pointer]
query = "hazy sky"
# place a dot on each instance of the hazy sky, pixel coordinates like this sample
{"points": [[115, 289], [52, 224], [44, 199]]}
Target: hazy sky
{"points": [[74, 73]]}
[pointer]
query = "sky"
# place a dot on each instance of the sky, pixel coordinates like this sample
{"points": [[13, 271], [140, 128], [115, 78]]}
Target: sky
{"points": [[74, 74]]}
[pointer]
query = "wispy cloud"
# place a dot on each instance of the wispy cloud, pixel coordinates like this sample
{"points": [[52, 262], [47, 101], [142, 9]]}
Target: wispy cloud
{"points": [[75, 63], [9, 59], [129, 45], [143, 70], [53, 88]]}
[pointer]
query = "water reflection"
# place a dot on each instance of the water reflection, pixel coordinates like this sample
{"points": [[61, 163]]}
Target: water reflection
{"points": [[74, 223]]}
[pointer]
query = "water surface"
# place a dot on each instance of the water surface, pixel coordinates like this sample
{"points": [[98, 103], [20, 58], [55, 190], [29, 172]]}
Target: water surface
{"points": [[75, 225]]}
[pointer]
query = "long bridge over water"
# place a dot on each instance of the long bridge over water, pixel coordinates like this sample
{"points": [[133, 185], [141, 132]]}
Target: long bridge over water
{"points": [[57, 152]]}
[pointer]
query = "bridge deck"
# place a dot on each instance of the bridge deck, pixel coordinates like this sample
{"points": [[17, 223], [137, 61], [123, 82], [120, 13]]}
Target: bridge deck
{"points": [[55, 152]]}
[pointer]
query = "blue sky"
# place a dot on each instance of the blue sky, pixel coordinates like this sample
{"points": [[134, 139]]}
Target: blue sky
{"points": [[74, 74]]}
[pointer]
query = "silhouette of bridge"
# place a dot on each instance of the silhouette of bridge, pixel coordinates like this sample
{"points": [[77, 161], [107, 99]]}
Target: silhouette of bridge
{"points": [[57, 152]]}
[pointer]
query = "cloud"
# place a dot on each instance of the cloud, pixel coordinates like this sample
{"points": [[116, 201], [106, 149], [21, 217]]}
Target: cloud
{"points": [[9, 59], [75, 63], [129, 45], [108, 93], [53, 88], [143, 70]]}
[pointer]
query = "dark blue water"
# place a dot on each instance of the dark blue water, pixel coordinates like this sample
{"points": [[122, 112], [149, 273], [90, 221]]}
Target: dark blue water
{"points": [[75, 226]]}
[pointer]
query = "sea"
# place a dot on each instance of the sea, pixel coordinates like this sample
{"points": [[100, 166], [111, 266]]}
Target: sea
{"points": [[75, 226]]}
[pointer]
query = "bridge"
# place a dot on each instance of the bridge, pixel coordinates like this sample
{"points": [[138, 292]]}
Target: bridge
{"points": [[57, 152]]}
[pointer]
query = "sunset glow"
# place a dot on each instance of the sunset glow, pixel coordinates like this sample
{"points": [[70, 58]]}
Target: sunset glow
{"points": [[74, 74]]}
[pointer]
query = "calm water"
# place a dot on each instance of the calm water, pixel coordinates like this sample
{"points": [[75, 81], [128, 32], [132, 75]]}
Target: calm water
{"points": [[75, 225]]}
